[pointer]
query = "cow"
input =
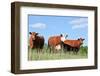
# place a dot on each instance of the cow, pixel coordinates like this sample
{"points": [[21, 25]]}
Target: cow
{"points": [[36, 41], [54, 43], [73, 45]]}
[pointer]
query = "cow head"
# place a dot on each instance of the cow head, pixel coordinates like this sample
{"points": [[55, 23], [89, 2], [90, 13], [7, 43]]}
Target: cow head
{"points": [[33, 35], [81, 40], [63, 37]]}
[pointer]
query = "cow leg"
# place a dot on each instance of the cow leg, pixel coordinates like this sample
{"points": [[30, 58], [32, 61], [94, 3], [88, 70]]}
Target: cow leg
{"points": [[73, 50], [41, 50], [77, 49], [69, 50], [37, 50], [65, 48], [53, 49], [50, 49], [38, 53]]}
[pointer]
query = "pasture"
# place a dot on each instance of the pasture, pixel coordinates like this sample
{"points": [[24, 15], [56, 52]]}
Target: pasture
{"points": [[46, 55]]}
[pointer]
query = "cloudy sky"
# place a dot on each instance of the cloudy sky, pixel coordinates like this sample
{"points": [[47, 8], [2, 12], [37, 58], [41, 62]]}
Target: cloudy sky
{"points": [[47, 26]]}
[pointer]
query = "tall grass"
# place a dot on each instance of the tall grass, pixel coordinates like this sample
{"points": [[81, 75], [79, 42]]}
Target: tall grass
{"points": [[46, 55]]}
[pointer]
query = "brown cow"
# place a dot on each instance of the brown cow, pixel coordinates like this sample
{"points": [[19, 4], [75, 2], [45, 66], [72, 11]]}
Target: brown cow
{"points": [[73, 45], [36, 42], [54, 42]]}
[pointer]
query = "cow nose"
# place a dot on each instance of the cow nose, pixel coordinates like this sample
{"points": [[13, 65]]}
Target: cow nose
{"points": [[33, 38]]}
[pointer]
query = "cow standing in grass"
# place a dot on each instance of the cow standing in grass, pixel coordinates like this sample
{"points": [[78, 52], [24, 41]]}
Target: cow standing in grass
{"points": [[54, 43], [36, 42], [73, 45]]}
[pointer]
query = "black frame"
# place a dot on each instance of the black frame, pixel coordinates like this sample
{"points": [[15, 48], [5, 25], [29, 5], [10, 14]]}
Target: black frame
{"points": [[15, 36]]}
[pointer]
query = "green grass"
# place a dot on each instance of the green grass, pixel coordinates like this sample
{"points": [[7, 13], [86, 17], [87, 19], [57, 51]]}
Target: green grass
{"points": [[46, 55]]}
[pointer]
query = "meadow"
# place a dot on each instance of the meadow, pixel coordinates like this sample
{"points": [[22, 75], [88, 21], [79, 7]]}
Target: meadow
{"points": [[46, 55]]}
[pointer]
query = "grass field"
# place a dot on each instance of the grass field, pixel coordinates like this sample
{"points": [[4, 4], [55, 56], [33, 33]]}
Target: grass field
{"points": [[46, 55]]}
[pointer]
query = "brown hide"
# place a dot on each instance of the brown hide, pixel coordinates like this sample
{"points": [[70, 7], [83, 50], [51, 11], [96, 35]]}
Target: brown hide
{"points": [[55, 40], [73, 43], [37, 42]]}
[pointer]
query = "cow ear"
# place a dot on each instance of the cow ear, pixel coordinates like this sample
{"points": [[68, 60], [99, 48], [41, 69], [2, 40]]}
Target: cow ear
{"points": [[78, 39], [66, 36], [37, 33], [30, 33], [61, 35], [83, 39]]}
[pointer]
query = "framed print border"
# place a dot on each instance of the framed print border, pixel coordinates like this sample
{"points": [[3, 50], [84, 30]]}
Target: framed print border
{"points": [[15, 37]]}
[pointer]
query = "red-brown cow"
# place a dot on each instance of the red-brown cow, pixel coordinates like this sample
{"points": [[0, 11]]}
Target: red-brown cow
{"points": [[54, 42], [73, 45], [36, 42]]}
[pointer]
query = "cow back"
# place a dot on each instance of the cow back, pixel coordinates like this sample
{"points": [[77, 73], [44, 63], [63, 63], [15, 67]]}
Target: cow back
{"points": [[72, 43], [53, 41]]}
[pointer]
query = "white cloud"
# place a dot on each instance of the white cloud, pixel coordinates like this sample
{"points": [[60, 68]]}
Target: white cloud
{"points": [[38, 26], [79, 26], [79, 23]]}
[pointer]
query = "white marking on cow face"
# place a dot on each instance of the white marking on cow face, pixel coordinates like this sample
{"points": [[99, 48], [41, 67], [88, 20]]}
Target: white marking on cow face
{"points": [[33, 35], [58, 47], [81, 40], [63, 38]]}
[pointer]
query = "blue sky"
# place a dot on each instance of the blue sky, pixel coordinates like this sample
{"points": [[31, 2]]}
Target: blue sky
{"points": [[47, 26]]}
